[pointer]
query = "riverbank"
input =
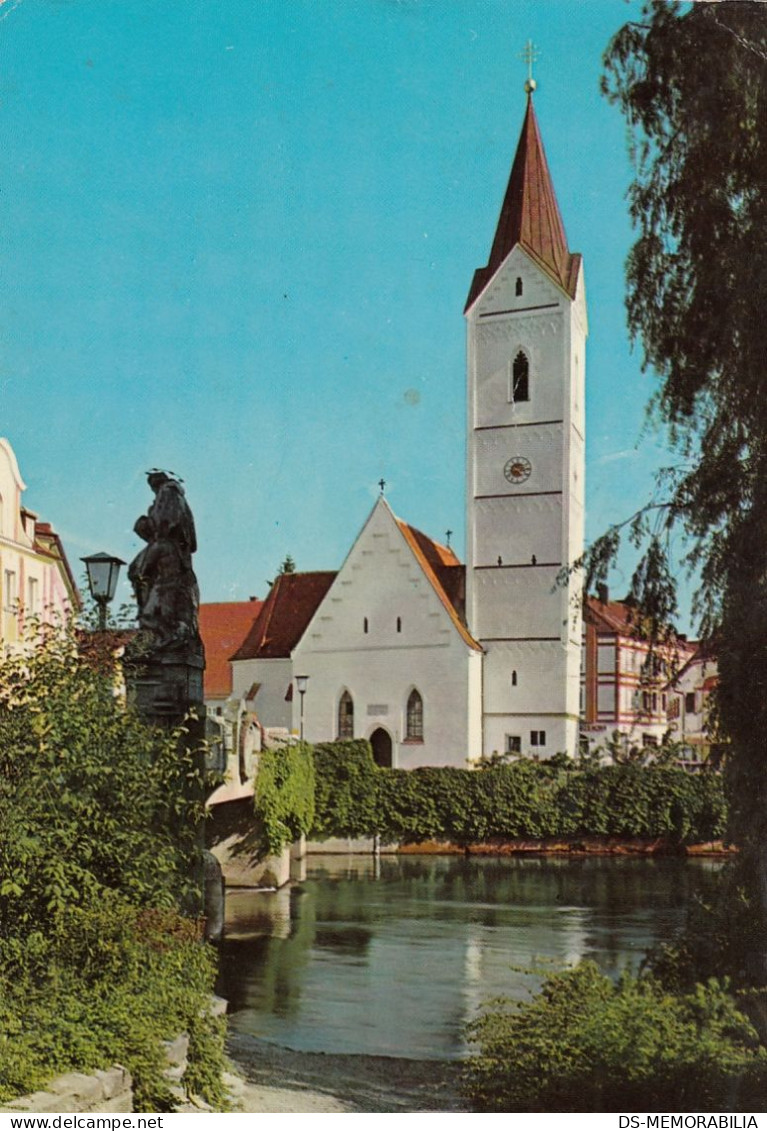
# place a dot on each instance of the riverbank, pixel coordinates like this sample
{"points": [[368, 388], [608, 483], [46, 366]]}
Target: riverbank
{"points": [[279, 1080]]}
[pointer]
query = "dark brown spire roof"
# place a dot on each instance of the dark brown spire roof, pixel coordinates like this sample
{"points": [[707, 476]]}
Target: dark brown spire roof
{"points": [[530, 217]]}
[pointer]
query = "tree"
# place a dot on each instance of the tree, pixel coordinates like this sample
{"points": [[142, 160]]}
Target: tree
{"points": [[692, 83], [92, 801]]}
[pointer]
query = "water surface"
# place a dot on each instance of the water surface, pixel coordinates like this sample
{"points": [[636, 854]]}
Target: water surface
{"points": [[393, 957]]}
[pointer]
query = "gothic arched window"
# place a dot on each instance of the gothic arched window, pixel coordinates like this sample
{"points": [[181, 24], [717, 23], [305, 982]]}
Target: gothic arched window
{"points": [[346, 716], [518, 287], [520, 378], [414, 724]]}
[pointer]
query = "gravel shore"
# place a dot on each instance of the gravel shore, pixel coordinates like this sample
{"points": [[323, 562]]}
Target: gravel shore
{"points": [[274, 1079]]}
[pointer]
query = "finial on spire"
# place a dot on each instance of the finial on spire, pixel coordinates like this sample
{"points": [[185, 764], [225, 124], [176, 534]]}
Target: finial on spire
{"points": [[448, 536], [529, 55]]}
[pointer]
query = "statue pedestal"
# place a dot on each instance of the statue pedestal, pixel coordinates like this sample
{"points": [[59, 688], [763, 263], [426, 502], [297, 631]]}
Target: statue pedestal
{"points": [[168, 685]]}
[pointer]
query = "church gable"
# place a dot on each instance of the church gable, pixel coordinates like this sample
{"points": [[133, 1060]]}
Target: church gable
{"points": [[519, 284], [395, 590]]}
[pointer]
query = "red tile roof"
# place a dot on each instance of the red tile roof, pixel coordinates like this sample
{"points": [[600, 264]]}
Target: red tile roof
{"points": [[446, 574], [530, 217], [223, 627], [292, 602], [49, 544]]}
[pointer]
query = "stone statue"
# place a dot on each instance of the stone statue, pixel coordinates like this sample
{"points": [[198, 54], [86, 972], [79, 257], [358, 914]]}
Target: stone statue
{"points": [[163, 580]]}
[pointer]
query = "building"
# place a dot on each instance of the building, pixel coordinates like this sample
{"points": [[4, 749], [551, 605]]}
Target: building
{"points": [[645, 694], [433, 661], [36, 582], [526, 322]]}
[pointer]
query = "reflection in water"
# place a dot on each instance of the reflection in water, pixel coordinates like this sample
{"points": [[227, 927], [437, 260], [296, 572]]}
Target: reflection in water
{"points": [[393, 957]]}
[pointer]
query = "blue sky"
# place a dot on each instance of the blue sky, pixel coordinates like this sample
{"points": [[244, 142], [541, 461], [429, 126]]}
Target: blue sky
{"points": [[238, 238]]}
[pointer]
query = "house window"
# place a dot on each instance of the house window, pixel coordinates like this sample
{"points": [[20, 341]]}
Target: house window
{"points": [[32, 596], [518, 287], [346, 716], [520, 378], [689, 702], [513, 679], [537, 737], [10, 605], [414, 722], [513, 743]]}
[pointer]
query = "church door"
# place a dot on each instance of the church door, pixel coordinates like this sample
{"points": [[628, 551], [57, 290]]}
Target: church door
{"points": [[380, 740]]}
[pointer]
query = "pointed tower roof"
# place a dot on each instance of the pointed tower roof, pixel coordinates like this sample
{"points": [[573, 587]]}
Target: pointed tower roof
{"points": [[530, 217]]}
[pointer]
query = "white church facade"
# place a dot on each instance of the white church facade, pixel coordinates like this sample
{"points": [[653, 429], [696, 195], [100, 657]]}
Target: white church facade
{"points": [[435, 662]]}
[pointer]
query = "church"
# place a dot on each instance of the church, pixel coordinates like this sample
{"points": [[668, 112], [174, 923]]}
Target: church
{"points": [[433, 661]]}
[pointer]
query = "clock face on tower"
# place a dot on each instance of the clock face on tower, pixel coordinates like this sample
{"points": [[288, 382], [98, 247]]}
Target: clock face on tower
{"points": [[517, 469]]}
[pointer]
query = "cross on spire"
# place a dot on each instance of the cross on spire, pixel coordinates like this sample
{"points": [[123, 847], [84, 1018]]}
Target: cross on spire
{"points": [[448, 536], [382, 485], [529, 55]]}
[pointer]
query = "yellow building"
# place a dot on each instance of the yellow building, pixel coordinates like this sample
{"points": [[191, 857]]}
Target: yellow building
{"points": [[36, 582]]}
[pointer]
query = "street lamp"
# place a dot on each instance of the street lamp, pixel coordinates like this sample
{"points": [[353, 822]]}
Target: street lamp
{"points": [[103, 570], [301, 682]]}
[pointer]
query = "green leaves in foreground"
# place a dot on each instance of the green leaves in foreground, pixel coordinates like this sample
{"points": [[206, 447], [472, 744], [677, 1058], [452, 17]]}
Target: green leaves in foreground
{"points": [[586, 1044]]}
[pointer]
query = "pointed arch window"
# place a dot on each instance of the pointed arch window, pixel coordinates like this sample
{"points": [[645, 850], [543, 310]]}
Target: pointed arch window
{"points": [[518, 287], [414, 721], [514, 679], [346, 716], [520, 378]]}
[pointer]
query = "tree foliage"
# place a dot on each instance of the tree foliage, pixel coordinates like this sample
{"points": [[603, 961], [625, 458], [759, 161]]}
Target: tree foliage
{"points": [[525, 799], [587, 1044], [692, 83], [99, 847], [91, 799], [284, 799]]}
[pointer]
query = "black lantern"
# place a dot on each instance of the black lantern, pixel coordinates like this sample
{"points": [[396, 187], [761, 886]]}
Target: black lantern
{"points": [[103, 571], [301, 682]]}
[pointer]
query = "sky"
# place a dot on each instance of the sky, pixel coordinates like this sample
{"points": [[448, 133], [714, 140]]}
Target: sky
{"points": [[237, 241]]}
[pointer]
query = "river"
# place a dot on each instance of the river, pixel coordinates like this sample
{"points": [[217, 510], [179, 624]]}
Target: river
{"points": [[392, 957]]}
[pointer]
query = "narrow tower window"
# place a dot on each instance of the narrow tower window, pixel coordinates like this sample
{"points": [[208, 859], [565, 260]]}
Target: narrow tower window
{"points": [[518, 288], [514, 679], [399, 624], [520, 378], [346, 716], [414, 726], [365, 624]]}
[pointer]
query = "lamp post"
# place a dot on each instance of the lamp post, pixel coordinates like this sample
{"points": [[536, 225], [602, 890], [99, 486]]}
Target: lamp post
{"points": [[301, 682], [103, 571]]}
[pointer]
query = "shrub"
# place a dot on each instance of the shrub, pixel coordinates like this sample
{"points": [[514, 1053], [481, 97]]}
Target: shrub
{"points": [[99, 845], [354, 797], [345, 789], [284, 800], [586, 1044], [91, 799], [109, 985]]}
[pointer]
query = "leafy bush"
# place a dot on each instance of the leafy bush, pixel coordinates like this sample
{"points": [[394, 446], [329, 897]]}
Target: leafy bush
{"points": [[354, 797], [108, 985], [586, 1044], [284, 799], [99, 846], [344, 789], [91, 799]]}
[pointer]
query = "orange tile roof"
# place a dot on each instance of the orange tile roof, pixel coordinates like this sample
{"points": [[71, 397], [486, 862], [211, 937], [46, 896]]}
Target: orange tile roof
{"points": [[530, 217], [291, 603], [223, 627], [445, 573]]}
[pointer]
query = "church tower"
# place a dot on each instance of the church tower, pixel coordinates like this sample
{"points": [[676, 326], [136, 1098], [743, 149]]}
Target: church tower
{"points": [[526, 330]]}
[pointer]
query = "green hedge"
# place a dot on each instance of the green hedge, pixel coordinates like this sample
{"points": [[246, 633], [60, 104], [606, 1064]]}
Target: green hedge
{"points": [[284, 800], [354, 797]]}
